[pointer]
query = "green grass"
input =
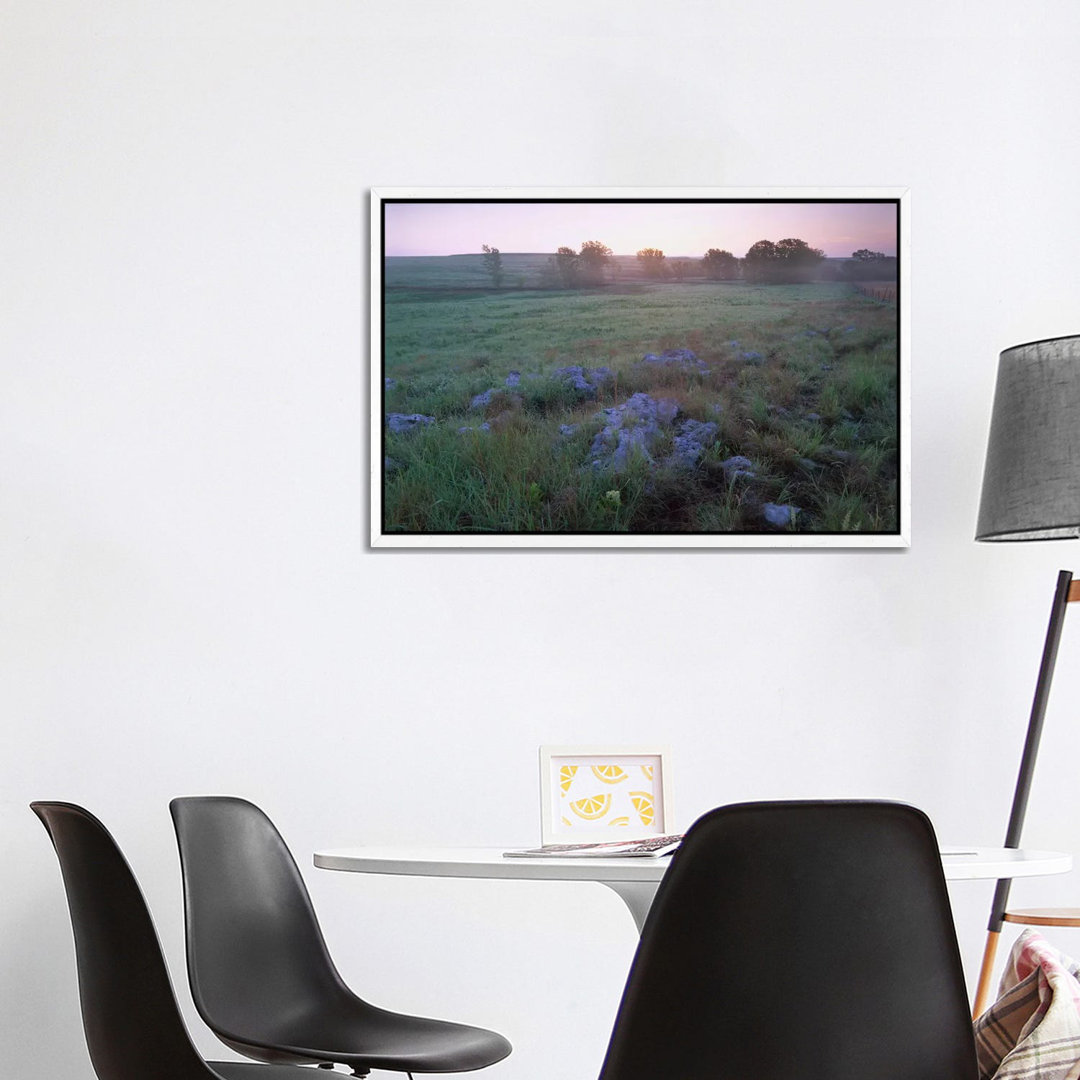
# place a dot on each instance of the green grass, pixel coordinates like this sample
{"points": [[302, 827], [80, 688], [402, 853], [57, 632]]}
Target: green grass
{"points": [[817, 414]]}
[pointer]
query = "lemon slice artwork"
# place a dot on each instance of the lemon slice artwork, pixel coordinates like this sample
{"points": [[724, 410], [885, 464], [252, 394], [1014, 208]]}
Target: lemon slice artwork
{"points": [[647, 771], [609, 774], [566, 777], [592, 808], [624, 820], [643, 804]]}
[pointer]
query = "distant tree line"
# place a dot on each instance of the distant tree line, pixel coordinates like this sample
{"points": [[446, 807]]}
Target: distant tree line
{"points": [[767, 262], [867, 265]]}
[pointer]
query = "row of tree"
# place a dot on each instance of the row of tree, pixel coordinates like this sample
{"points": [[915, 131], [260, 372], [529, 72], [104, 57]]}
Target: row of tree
{"points": [[766, 262]]}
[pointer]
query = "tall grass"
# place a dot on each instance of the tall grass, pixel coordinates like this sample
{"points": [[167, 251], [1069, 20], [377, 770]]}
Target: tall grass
{"points": [[815, 408]]}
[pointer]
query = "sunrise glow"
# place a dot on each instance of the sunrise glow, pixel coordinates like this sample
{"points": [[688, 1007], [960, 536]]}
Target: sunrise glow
{"points": [[684, 228]]}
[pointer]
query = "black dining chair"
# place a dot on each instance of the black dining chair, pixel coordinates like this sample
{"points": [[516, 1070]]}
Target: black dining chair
{"points": [[259, 969], [133, 1026], [798, 941]]}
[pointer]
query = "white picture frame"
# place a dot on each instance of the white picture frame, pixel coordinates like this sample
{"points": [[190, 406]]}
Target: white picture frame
{"points": [[590, 794], [811, 525]]}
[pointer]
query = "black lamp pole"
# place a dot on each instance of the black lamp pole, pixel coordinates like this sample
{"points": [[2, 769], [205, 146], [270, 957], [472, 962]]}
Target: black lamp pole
{"points": [[1023, 780]]}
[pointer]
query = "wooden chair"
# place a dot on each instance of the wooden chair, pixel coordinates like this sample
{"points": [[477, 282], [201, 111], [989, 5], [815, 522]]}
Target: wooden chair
{"points": [[1050, 916]]}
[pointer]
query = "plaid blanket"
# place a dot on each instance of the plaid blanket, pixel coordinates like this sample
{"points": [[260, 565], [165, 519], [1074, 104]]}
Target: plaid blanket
{"points": [[1032, 1031]]}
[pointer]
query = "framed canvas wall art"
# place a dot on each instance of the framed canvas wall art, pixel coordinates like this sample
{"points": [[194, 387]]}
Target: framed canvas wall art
{"points": [[639, 368]]}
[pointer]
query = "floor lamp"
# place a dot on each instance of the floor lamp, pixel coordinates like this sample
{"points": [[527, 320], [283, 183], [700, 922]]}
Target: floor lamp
{"points": [[1031, 491]]}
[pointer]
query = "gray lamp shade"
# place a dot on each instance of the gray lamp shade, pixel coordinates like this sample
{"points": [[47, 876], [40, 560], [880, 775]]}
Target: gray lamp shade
{"points": [[1031, 484]]}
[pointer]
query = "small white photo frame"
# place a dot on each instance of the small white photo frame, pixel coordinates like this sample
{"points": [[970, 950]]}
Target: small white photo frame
{"points": [[595, 793]]}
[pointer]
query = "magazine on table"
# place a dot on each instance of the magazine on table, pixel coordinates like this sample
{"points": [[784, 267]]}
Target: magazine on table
{"points": [[649, 847]]}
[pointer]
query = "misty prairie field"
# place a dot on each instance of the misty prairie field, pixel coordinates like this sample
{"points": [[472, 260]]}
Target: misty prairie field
{"points": [[651, 407]]}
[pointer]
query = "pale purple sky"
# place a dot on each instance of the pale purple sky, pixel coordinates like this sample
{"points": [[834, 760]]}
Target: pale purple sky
{"points": [[681, 228]]}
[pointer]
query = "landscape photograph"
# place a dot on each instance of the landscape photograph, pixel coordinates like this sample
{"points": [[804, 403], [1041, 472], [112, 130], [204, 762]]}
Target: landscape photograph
{"points": [[657, 370]]}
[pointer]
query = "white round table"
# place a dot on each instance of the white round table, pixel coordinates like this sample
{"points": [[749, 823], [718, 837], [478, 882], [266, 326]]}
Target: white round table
{"points": [[636, 879]]}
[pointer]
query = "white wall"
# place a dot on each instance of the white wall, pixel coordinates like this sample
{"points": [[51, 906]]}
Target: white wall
{"points": [[187, 604]]}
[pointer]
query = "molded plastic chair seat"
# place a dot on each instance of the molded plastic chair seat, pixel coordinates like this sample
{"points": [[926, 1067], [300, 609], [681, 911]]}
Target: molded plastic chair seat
{"points": [[364, 1037], [260, 973], [798, 941], [133, 1026]]}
